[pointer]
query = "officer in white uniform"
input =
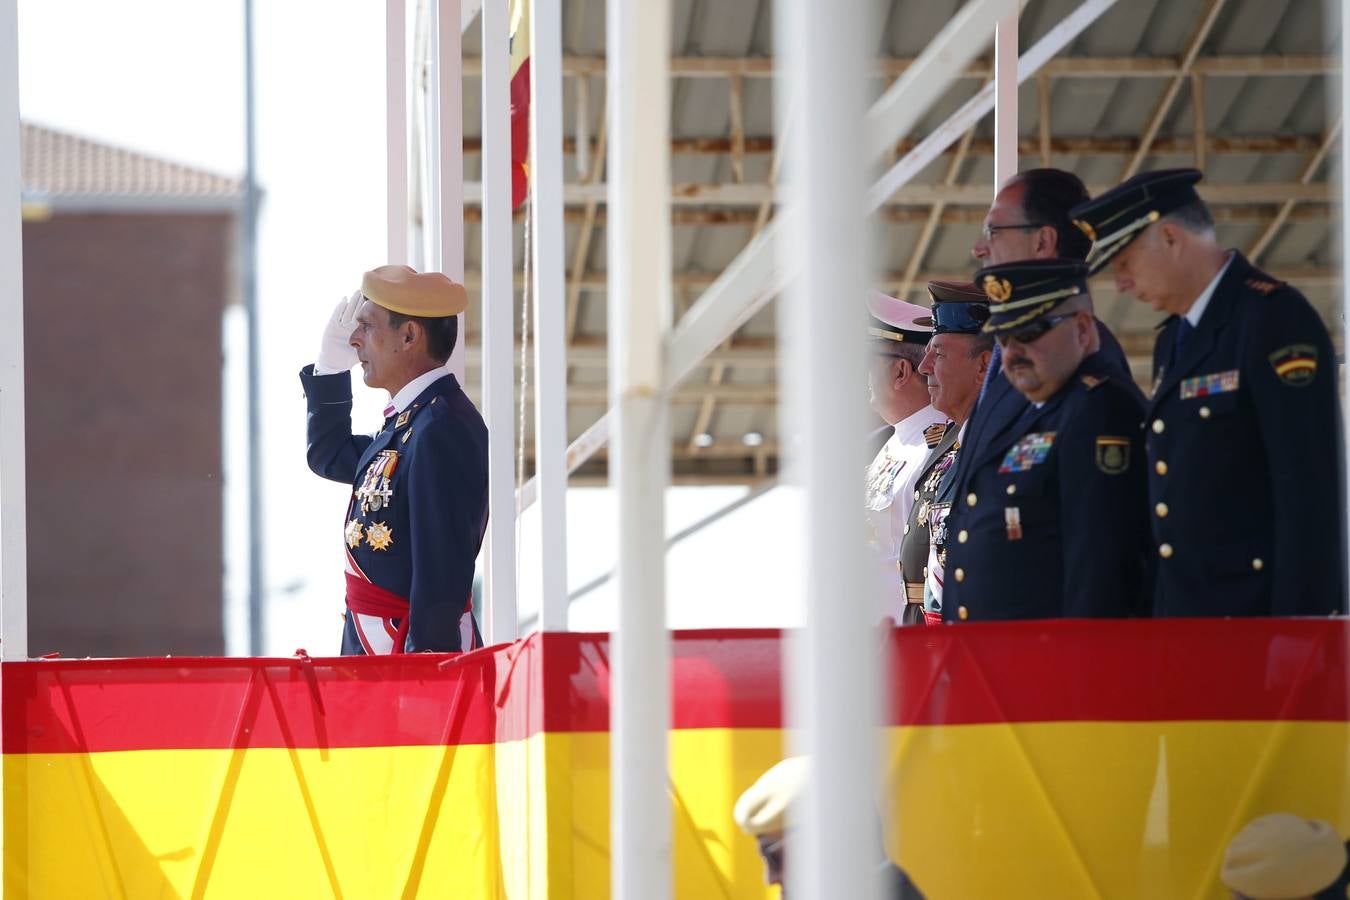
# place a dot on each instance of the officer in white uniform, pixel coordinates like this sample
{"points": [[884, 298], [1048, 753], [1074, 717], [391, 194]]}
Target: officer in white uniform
{"points": [[899, 394]]}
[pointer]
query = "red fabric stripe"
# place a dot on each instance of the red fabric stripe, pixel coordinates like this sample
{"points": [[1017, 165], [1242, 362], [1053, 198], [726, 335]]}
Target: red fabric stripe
{"points": [[372, 600], [1197, 670]]}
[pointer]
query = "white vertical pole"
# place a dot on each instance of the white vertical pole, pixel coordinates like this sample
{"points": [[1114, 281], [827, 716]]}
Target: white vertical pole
{"points": [[428, 72], [396, 128], [13, 509], [1005, 99], [834, 668], [450, 155], [498, 333], [638, 67], [550, 351]]}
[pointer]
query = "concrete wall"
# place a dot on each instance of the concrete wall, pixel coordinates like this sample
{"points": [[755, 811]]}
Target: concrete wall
{"points": [[122, 318]]}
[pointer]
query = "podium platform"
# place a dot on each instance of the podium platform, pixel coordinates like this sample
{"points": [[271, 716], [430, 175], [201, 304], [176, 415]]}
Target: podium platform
{"points": [[1042, 759]]}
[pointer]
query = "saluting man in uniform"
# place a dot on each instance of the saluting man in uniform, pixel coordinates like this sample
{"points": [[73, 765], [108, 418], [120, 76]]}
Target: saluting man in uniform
{"points": [[1243, 425], [899, 394], [418, 508], [956, 364], [1052, 521]]}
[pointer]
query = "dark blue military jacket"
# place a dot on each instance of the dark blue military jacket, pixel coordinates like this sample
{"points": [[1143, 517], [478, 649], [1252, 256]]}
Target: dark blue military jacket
{"points": [[1001, 405], [1051, 520], [1244, 450], [420, 541]]}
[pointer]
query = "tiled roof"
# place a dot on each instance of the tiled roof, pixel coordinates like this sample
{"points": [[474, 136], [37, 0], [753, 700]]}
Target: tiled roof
{"points": [[56, 164]]}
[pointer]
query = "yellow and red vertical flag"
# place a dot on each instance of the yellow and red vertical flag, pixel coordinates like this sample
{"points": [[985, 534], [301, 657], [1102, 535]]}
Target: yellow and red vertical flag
{"points": [[520, 100]]}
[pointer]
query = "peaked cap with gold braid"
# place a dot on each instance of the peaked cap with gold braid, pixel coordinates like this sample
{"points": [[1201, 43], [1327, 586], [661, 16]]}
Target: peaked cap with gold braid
{"points": [[1121, 214], [1020, 292]]}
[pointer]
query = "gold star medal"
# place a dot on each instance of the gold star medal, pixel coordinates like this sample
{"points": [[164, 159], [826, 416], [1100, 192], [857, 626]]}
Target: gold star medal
{"points": [[379, 536], [353, 532]]}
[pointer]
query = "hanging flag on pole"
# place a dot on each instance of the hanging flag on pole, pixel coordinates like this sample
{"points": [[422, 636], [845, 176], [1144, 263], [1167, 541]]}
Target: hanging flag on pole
{"points": [[520, 100]]}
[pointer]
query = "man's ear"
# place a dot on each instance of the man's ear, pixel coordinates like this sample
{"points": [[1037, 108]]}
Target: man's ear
{"points": [[1047, 242], [408, 333], [901, 371], [1170, 235]]}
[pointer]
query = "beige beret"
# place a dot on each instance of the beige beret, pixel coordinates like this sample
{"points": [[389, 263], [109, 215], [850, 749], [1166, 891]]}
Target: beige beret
{"points": [[763, 808], [1280, 856], [402, 289]]}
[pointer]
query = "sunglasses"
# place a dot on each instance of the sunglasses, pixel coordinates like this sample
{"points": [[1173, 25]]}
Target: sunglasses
{"points": [[1034, 331]]}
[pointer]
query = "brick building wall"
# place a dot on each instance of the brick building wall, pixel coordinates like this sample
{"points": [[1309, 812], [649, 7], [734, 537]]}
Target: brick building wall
{"points": [[122, 343]]}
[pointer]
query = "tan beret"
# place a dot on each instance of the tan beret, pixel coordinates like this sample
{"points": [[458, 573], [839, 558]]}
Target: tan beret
{"points": [[763, 808], [402, 289], [1280, 856]]}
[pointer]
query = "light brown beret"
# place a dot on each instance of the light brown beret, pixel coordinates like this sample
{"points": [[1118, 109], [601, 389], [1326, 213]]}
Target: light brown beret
{"points": [[404, 290]]}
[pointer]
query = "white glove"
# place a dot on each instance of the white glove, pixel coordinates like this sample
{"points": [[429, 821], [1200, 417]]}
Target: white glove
{"points": [[336, 354]]}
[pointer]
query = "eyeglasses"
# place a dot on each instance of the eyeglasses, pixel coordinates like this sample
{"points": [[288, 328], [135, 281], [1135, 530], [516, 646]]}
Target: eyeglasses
{"points": [[1034, 331], [989, 231]]}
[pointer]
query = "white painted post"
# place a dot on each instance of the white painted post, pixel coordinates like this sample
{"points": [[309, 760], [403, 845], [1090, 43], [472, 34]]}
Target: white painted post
{"points": [[550, 349], [500, 619], [638, 67], [13, 503], [450, 155], [833, 668], [1005, 99], [396, 129]]}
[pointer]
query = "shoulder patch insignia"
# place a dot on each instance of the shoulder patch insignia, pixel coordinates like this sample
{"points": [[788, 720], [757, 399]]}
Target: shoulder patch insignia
{"points": [[1091, 381], [1113, 454], [1295, 365], [932, 435], [1262, 286]]}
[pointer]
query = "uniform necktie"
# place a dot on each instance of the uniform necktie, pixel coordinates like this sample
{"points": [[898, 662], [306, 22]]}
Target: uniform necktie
{"points": [[1183, 331], [994, 362]]}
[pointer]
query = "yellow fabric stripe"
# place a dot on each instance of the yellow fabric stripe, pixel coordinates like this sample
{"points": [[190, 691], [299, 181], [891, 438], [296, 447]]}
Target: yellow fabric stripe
{"points": [[1010, 811], [1286, 367]]}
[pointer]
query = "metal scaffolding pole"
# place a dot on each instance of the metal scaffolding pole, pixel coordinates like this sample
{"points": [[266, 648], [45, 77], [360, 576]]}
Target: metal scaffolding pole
{"points": [[755, 276], [550, 340], [638, 40], [448, 112], [396, 129], [1005, 99], [498, 292], [248, 265], [833, 672], [13, 504]]}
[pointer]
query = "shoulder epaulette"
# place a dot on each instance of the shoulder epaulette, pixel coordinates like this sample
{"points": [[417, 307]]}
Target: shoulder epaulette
{"points": [[1263, 286], [933, 434], [1092, 381], [407, 415]]}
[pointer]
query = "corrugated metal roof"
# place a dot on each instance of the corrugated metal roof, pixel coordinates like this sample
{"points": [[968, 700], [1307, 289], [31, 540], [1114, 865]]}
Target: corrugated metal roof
{"points": [[1263, 70]]}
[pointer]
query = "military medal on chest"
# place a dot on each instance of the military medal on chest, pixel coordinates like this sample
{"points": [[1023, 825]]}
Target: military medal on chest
{"points": [[881, 476], [376, 488]]}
